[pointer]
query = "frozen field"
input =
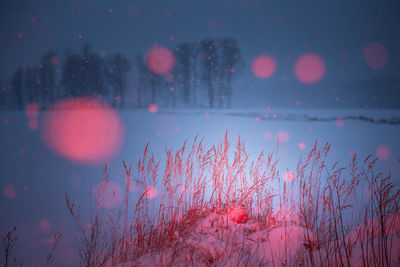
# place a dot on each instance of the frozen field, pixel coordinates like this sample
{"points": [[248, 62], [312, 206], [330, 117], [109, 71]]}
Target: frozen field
{"points": [[39, 177]]}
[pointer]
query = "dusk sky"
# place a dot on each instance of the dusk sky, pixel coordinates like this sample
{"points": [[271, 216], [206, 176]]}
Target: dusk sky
{"points": [[336, 30]]}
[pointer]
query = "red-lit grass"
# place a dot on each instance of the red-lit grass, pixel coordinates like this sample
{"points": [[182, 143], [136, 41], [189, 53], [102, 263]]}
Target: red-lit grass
{"points": [[217, 208]]}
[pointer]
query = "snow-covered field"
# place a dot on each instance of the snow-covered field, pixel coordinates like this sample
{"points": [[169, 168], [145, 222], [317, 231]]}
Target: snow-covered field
{"points": [[34, 178]]}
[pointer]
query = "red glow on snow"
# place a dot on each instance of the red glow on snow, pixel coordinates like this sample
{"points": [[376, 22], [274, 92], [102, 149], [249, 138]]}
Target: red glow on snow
{"points": [[339, 122], [263, 66], [108, 194], [383, 152], [309, 68], [45, 226], [9, 191], [32, 110], [151, 192], [83, 130], [268, 135], [160, 60], [283, 136], [238, 214], [376, 55], [302, 145], [289, 176], [153, 108]]}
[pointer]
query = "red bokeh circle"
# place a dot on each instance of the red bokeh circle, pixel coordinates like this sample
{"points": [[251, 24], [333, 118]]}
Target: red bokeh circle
{"points": [[83, 130], [309, 68], [160, 60], [263, 66]]}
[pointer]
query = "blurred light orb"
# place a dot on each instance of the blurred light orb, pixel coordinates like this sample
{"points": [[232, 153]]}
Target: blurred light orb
{"points": [[268, 135], [108, 194], [33, 124], [289, 176], [376, 55], [302, 145], [339, 122], [160, 60], [32, 110], [83, 130], [283, 136], [153, 108], [151, 192], [383, 152], [309, 68], [263, 66], [45, 226], [9, 191]]}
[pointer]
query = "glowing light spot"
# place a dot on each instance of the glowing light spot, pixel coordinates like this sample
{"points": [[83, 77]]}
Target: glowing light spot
{"points": [[108, 194], [238, 214], [45, 226], [383, 152], [339, 122], [309, 68], [151, 192], [32, 110], [283, 136], [289, 176], [268, 135], [33, 124], [9, 191], [160, 60], [302, 145], [83, 130], [263, 66], [153, 108], [376, 55]]}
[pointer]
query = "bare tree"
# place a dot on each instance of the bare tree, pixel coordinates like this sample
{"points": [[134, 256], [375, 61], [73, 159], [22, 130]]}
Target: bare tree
{"points": [[229, 59], [17, 87], [117, 78], [210, 67]]}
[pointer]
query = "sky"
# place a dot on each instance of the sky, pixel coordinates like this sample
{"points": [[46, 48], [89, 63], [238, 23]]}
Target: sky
{"points": [[337, 31]]}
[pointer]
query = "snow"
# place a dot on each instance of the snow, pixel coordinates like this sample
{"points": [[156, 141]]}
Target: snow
{"points": [[28, 163]]}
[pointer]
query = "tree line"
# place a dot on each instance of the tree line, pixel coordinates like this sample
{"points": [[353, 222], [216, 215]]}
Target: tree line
{"points": [[202, 77]]}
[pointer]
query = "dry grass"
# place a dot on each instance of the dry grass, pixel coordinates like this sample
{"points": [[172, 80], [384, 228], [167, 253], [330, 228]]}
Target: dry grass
{"points": [[329, 201]]}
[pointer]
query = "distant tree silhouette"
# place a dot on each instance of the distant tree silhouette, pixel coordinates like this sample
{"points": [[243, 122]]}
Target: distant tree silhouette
{"points": [[84, 74], [183, 55], [47, 73], [94, 69], [28, 84], [210, 67], [32, 84], [2, 96], [117, 77], [229, 59], [142, 73], [72, 75], [17, 87]]}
